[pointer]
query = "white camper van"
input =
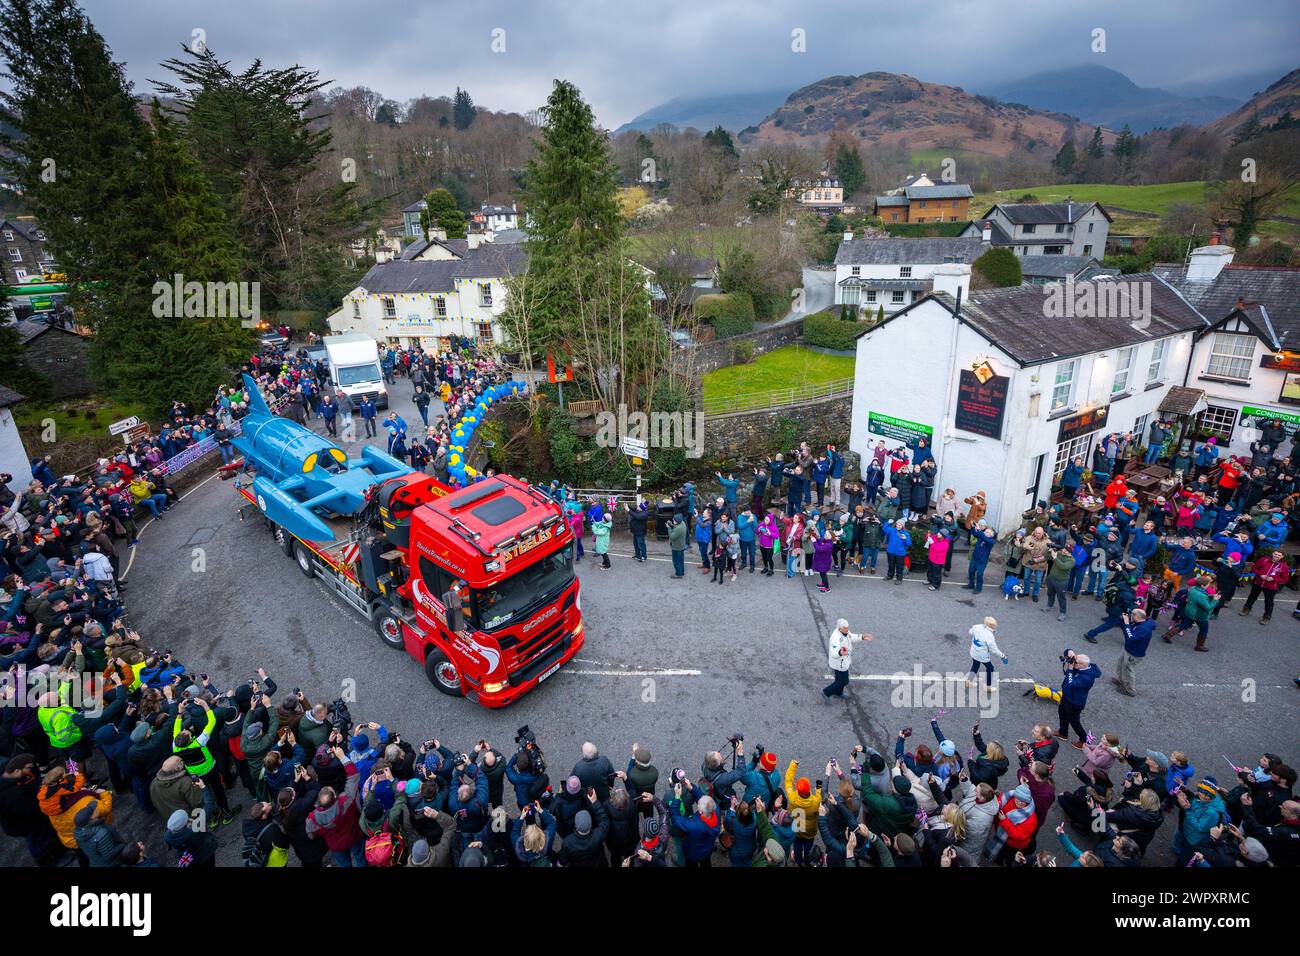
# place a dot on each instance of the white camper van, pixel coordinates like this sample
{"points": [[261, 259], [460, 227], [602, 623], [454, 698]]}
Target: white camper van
{"points": [[354, 367]]}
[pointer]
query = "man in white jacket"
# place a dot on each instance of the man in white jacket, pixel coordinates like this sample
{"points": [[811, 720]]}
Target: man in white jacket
{"points": [[983, 648], [840, 658]]}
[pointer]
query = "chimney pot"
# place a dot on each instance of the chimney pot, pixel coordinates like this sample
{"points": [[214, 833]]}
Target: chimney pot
{"points": [[1214, 238], [1241, 303]]}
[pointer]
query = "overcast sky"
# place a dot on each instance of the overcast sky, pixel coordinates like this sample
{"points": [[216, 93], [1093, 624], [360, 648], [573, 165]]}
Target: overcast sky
{"points": [[629, 55]]}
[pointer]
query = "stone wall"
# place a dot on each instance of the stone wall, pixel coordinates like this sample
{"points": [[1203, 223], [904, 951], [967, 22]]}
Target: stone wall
{"points": [[746, 437], [61, 356], [710, 356]]}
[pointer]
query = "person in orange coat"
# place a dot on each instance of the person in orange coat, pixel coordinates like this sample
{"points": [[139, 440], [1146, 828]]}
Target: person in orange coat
{"points": [[62, 796]]}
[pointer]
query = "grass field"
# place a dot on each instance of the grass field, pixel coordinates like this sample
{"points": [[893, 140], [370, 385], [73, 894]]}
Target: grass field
{"points": [[87, 417], [786, 367]]}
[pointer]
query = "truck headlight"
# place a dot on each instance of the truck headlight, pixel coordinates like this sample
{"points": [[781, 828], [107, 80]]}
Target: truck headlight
{"points": [[494, 687]]}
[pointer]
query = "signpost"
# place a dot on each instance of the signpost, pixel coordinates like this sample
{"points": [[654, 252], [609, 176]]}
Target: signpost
{"points": [[124, 425], [135, 434], [638, 450]]}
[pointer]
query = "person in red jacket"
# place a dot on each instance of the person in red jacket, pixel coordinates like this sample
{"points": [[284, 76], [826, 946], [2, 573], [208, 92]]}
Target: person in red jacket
{"points": [[336, 818], [1228, 479], [1116, 490], [1271, 572], [1017, 823]]}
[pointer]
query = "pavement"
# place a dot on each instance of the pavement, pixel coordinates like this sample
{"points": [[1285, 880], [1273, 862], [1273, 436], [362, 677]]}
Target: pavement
{"points": [[679, 665]]}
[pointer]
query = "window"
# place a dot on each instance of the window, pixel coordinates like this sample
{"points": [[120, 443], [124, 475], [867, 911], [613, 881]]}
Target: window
{"points": [[1157, 366], [390, 307], [1026, 230], [356, 309], [1140, 429], [9, 235], [1087, 250], [871, 295], [40, 236], [1123, 365], [1060, 227], [1053, 250], [1035, 476], [857, 270], [440, 306], [15, 254], [20, 275], [1217, 421], [1063, 386], [1231, 356], [897, 297], [852, 295], [485, 294], [1090, 225], [1068, 451], [905, 272], [485, 333], [922, 203], [954, 206]]}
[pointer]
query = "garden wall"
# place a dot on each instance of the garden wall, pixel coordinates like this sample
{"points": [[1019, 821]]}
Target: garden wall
{"points": [[710, 356]]}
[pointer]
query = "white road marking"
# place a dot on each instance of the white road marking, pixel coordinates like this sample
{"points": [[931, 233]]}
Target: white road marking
{"points": [[141, 530], [666, 672], [928, 677]]}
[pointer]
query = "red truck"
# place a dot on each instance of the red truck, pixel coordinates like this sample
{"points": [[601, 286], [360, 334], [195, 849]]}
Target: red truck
{"points": [[496, 558]]}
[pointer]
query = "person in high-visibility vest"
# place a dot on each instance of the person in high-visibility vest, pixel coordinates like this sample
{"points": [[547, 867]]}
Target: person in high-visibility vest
{"points": [[193, 750], [57, 720]]}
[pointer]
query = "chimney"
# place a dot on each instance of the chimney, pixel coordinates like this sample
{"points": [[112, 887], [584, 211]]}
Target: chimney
{"points": [[1214, 238], [1241, 304], [986, 234], [1206, 262], [952, 278], [475, 239]]}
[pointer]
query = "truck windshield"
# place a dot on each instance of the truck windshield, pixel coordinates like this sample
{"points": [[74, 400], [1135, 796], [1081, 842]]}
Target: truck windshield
{"points": [[516, 595], [358, 374]]}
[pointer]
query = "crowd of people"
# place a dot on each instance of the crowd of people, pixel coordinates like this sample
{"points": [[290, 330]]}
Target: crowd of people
{"points": [[92, 713]]}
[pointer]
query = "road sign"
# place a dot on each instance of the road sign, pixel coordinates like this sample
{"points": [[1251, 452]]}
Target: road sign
{"points": [[635, 447], [118, 427], [135, 434]]}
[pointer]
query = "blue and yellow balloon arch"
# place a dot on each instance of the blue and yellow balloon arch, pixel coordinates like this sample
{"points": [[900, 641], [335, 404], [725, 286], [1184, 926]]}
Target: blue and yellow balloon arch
{"points": [[463, 430]]}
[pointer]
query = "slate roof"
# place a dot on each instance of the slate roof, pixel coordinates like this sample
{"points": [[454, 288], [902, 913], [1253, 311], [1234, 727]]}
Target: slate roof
{"points": [[997, 235], [1025, 213], [9, 397], [417, 206], [887, 285], [496, 210], [506, 237], [902, 252], [1015, 320], [1055, 267], [891, 201], [488, 261], [1271, 295], [26, 227], [942, 191], [1181, 400]]}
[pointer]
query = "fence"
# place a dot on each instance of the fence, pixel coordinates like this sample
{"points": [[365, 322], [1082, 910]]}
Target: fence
{"points": [[737, 401]]}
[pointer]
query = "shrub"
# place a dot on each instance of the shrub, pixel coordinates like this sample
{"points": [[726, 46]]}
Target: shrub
{"points": [[730, 313], [742, 352], [999, 267], [825, 329]]}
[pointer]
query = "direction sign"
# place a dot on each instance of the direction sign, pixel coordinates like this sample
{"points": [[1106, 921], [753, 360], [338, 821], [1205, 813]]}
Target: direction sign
{"points": [[118, 427], [135, 434], [636, 447]]}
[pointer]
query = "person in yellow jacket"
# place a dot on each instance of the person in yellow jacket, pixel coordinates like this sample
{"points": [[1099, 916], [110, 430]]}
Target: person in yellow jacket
{"points": [[62, 796], [146, 492], [804, 802]]}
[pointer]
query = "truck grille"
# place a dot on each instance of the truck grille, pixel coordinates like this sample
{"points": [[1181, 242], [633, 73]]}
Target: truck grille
{"points": [[540, 663]]}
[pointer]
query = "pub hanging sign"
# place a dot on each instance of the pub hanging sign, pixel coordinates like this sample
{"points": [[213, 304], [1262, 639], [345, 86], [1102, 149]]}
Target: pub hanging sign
{"points": [[981, 402], [1083, 423]]}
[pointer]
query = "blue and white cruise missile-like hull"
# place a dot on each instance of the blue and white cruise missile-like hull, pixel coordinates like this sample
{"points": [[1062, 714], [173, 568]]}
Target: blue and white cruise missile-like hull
{"points": [[301, 478]]}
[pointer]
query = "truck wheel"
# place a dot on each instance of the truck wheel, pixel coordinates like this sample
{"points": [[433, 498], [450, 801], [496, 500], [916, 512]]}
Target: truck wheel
{"points": [[303, 557], [284, 540], [442, 673], [388, 626]]}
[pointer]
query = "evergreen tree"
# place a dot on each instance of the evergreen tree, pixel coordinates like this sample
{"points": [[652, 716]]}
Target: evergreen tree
{"points": [[998, 268], [721, 140], [848, 169], [122, 203], [443, 213], [293, 202], [1065, 159], [386, 115], [575, 254], [462, 110], [1095, 148]]}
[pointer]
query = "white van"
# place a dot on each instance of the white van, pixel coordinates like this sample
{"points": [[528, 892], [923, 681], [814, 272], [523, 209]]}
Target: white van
{"points": [[354, 367]]}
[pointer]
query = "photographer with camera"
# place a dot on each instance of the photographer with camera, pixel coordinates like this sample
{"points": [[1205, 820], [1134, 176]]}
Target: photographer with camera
{"points": [[1079, 674]]}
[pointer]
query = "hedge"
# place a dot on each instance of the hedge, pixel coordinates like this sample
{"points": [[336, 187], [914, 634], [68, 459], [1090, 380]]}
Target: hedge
{"points": [[829, 331], [730, 313]]}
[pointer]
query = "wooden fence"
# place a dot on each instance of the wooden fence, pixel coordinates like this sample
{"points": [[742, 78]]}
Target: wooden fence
{"points": [[723, 403]]}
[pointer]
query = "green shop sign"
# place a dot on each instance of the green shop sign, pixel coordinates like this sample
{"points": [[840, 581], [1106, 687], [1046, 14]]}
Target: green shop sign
{"points": [[898, 429], [1264, 414]]}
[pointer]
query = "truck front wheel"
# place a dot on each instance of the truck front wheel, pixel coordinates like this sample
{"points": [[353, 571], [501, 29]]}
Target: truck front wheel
{"points": [[303, 557], [389, 627], [442, 673]]}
